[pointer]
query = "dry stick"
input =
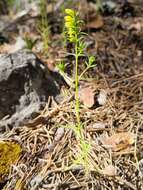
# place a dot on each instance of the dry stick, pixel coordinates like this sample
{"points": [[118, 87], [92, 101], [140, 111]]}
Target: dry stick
{"points": [[108, 87], [128, 78], [58, 5], [43, 118], [127, 183]]}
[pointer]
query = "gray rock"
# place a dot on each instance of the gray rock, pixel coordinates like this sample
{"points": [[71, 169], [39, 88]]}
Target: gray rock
{"points": [[25, 85], [3, 7]]}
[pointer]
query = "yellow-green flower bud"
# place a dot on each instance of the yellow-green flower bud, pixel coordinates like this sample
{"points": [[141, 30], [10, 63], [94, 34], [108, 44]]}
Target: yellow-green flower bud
{"points": [[70, 12], [68, 19]]}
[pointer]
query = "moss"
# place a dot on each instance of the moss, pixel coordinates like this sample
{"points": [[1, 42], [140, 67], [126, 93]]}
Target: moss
{"points": [[9, 154]]}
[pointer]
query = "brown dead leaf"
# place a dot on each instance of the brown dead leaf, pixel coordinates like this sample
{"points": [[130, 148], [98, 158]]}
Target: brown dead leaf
{"points": [[86, 96], [95, 23], [119, 141], [102, 97], [136, 25], [50, 63], [110, 170]]}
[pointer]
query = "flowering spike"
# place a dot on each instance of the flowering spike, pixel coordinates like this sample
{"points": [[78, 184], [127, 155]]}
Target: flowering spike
{"points": [[70, 12], [72, 25]]}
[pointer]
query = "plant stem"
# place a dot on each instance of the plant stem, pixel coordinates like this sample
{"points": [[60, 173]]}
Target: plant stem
{"points": [[83, 72], [76, 83]]}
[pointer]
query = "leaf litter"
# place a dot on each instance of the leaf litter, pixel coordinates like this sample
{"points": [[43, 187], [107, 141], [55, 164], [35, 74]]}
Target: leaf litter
{"points": [[113, 129]]}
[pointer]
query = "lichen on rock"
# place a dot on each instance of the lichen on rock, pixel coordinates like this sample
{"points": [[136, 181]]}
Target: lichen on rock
{"points": [[9, 154]]}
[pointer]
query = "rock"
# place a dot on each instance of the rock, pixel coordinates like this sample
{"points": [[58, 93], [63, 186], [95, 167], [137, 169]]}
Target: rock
{"points": [[3, 7], [3, 39], [25, 85], [109, 7]]}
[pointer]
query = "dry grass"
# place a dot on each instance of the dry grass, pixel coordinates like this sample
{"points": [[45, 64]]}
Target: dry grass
{"points": [[49, 148]]}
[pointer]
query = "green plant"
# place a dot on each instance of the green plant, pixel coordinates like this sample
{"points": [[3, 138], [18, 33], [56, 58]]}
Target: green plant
{"points": [[13, 5], [99, 6], [30, 42], [89, 64], [74, 35], [61, 66], [11, 2], [43, 26]]}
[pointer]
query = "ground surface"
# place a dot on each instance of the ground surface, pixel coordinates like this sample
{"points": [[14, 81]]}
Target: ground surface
{"points": [[113, 129]]}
